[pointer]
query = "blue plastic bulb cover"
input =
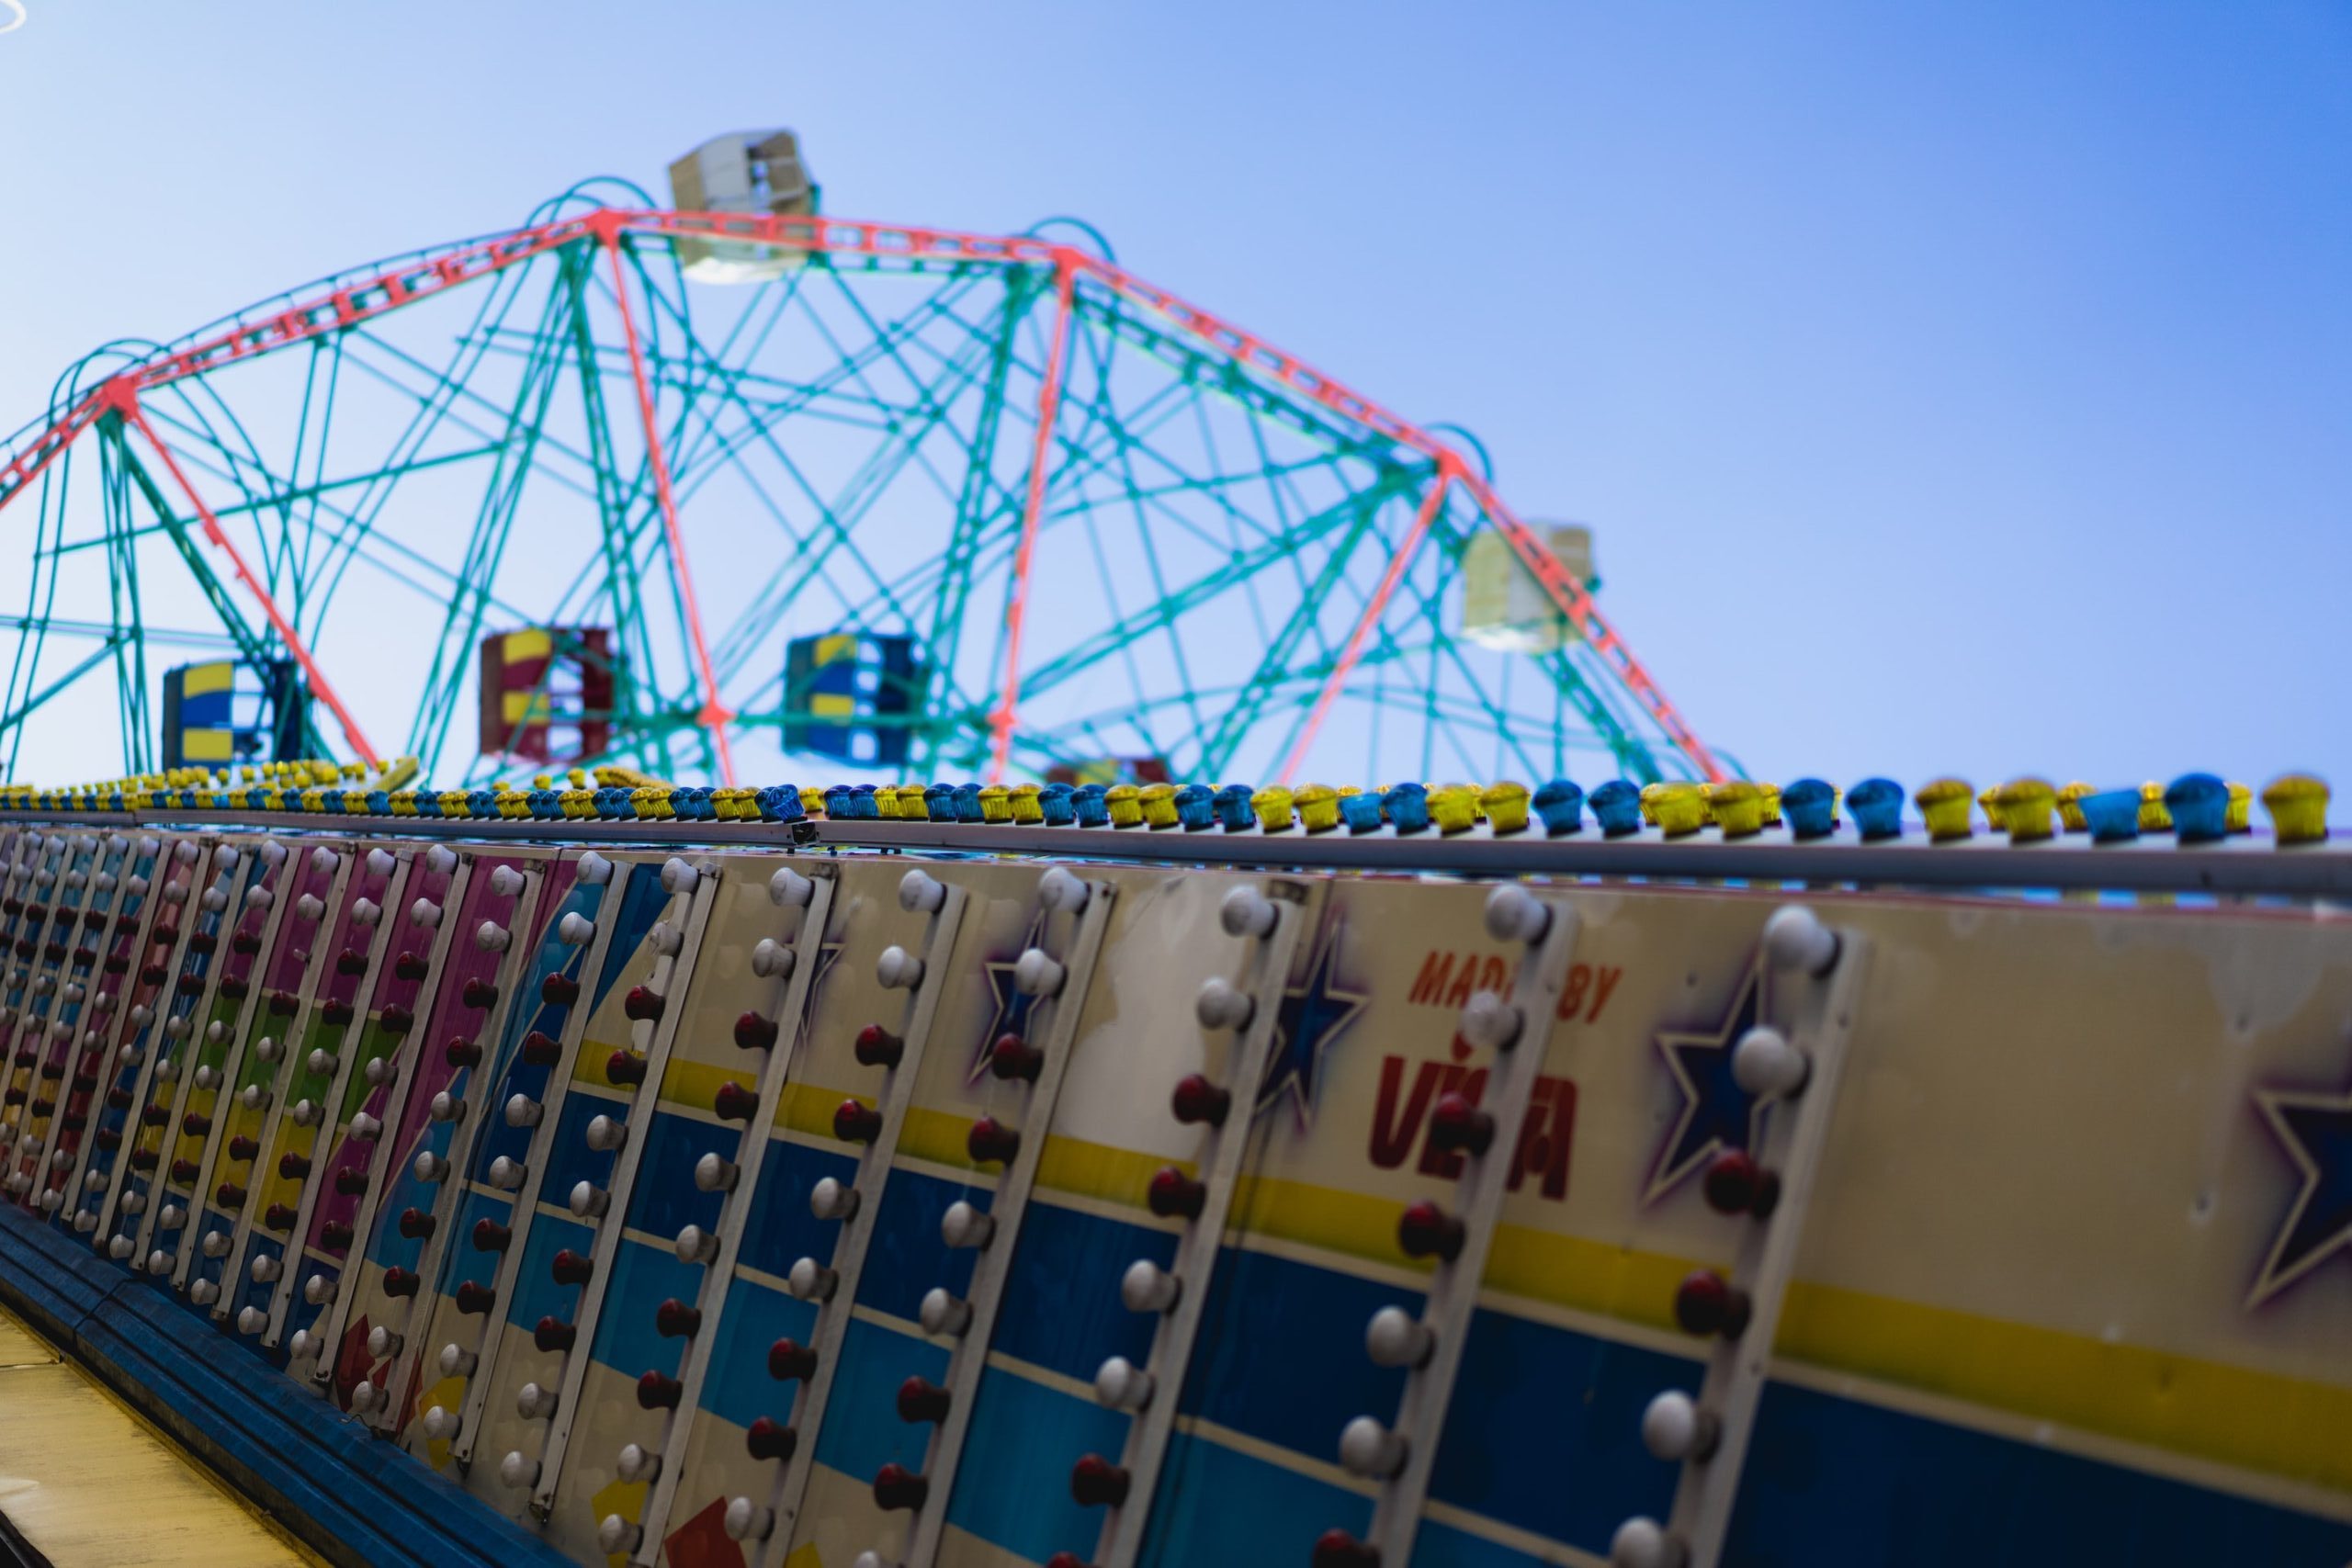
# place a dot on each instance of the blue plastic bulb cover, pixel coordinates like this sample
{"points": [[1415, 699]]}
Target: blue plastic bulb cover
{"points": [[1408, 807], [1233, 808], [784, 805], [1559, 805], [1361, 812], [1617, 807], [2200, 805], [1810, 808], [1195, 807], [1054, 801], [2112, 816], [1877, 806]]}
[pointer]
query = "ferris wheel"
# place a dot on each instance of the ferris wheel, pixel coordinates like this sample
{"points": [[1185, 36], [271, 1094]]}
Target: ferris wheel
{"points": [[696, 490]]}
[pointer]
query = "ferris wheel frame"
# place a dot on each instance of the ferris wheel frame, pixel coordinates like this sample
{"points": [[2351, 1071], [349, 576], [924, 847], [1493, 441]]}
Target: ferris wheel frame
{"points": [[611, 237]]}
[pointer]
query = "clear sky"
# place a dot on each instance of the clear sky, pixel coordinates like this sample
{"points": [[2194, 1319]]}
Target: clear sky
{"points": [[1958, 388]]}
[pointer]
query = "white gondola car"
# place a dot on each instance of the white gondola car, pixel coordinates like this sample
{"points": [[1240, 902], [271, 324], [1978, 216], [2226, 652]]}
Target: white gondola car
{"points": [[1503, 606], [751, 172]]}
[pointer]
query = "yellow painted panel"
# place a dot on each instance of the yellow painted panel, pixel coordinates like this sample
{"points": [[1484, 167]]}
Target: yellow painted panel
{"points": [[832, 704], [519, 708], [518, 647], [198, 679], [207, 745]]}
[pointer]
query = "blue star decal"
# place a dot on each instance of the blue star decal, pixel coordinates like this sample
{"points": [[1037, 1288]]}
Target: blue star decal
{"points": [[1717, 1114], [1011, 1014], [2316, 1132], [1314, 1014]]}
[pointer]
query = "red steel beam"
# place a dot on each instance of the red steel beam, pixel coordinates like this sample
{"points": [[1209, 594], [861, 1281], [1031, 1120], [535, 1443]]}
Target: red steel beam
{"points": [[1016, 609], [1353, 649], [713, 714], [122, 396], [350, 304], [29, 464]]}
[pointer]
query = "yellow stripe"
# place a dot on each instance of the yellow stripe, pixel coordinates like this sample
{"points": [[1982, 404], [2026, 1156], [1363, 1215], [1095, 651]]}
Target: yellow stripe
{"points": [[2255, 1421]]}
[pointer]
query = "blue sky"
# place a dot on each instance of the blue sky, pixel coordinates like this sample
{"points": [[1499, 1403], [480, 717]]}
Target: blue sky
{"points": [[1952, 389]]}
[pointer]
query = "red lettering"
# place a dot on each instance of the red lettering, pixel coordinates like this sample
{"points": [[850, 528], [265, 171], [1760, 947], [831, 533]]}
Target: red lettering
{"points": [[1394, 1133], [1584, 980], [1546, 1137], [1609, 979], [1572, 994], [1429, 984]]}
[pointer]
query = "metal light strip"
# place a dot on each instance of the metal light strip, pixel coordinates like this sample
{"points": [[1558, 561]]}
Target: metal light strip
{"points": [[148, 1040], [40, 1149], [30, 1021], [160, 1186], [22, 878], [672, 987], [1452, 1298], [93, 1104], [526, 1194], [297, 1023], [450, 1194], [1265, 972], [1768, 1256], [405, 1051], [233, 1062], [857, 1231], [281, 1297], [968, 1361], [735, 1210], [26, 851]]}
